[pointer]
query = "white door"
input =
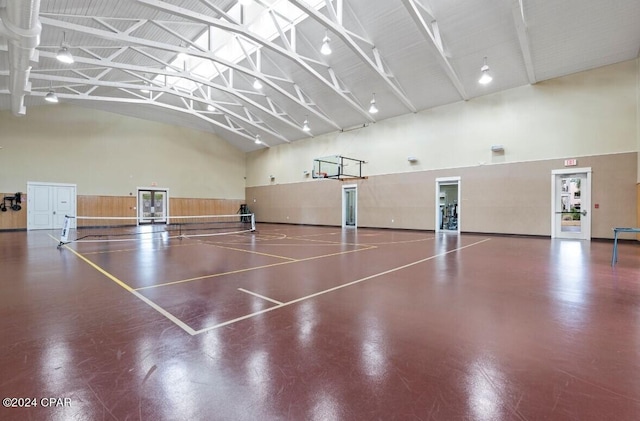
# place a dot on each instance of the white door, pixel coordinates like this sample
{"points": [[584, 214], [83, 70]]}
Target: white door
{"points": [[571, 204], [48, 204], [350, 206], [447, 204]]}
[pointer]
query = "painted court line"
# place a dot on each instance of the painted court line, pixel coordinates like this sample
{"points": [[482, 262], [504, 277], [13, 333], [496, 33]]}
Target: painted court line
{"points": [[326, 291], [260, 296], [215, 275], [246, 251], [144, 299]]}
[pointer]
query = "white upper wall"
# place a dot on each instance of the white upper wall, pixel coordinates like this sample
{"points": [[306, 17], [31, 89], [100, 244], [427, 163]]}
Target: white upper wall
{"points": [[110, 154], [588, 113]]}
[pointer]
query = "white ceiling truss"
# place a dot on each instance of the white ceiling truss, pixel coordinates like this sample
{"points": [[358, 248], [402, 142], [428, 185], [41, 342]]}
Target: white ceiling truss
{"points": [[409, 55]]}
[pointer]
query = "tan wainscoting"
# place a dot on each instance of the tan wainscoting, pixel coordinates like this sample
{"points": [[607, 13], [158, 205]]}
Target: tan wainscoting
{"points": [[12, 220], [106, 205], [511, 198], [178, 206]]}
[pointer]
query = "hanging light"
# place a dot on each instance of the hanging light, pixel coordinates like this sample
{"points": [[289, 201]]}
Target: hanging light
{"points": [[257, 84], [51, 95], [326, 47], [372, 108], [244, 2], [145, 89], [210, 107], [305, 125], [258, 141], [486, 77], [64, 55]]}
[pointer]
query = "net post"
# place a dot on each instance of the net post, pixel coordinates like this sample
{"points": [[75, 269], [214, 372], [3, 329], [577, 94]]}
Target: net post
{"points": [[64, 235], [253, 222]]}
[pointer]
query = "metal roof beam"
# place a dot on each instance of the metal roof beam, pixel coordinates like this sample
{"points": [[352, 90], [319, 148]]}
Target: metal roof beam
{"points": [[412, 8]]}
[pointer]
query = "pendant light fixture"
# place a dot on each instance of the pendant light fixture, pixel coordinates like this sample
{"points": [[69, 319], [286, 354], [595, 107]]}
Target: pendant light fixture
{"points": [[326, 47], [51, 96], [64, 55], [372, 108], [485, 77], [257, 84], [258, 141], [305, 125]]}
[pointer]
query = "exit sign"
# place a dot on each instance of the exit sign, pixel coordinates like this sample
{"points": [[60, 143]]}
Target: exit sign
{"points": [[570, 162]]}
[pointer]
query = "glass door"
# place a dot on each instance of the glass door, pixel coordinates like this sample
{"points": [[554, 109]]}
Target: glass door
{"points": [[349, 206], [447, 204], [571, 215], [152, 206]]}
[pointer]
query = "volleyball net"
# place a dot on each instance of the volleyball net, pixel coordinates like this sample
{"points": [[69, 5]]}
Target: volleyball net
{"points": [[104, 228]]}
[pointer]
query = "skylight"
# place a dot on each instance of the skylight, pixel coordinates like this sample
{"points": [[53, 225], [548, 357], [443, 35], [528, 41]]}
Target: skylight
{"points": [[228, 46]]}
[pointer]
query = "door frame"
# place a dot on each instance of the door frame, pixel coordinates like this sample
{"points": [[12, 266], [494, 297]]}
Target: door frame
{"points": [[447, 181], [30, 185], [346, 187], [585, 202], [152, 189]]}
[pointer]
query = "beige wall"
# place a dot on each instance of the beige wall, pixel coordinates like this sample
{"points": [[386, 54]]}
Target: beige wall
{"points": [[589, 113], [506, 199], [111, 155], [592, 116]]}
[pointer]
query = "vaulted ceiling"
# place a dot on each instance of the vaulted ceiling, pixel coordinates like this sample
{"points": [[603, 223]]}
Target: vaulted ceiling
{"points": [[408, 55]]}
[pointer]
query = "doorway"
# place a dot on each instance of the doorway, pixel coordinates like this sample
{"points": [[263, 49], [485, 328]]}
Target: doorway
{"points": [[349, 206], [48, 204], [153, 206], [448, 204], [571, 203]]}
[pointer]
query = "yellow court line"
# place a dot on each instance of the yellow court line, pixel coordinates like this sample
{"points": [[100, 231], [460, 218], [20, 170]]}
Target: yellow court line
{"points": [[215, 275], [99, 269], [141, 297]]}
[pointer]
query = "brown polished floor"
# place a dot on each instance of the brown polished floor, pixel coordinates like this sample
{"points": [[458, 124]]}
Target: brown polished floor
{"points": [[316, 323]]}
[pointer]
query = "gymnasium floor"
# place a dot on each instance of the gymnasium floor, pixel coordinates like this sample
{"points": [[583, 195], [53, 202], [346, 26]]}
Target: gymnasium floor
{"points": [[316, 323]]}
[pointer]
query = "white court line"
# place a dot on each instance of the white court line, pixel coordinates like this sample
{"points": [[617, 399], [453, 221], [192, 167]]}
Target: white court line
{"points": [[260, 296], [297, 300], [150, 303], [165, 313]]}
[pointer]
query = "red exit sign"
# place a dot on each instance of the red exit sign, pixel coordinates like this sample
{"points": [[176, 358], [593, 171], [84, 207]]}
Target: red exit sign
{"points": [[570, 162]]}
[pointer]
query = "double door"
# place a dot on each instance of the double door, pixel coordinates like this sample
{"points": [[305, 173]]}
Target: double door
{"points": [[48, 204], [152, 206]]}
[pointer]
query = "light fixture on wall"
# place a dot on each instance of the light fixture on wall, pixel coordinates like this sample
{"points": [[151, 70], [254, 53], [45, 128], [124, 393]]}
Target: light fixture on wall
{"points": [[305, 125], [64, 55], [412, 159], [497, 148], [485, 77], [326, 47], [51, 96], [372, 108], [257, 84], [272, 177], [258, 141]]}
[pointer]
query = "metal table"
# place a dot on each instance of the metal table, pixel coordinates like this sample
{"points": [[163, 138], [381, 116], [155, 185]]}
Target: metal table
{"points": [[614, 257]]}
